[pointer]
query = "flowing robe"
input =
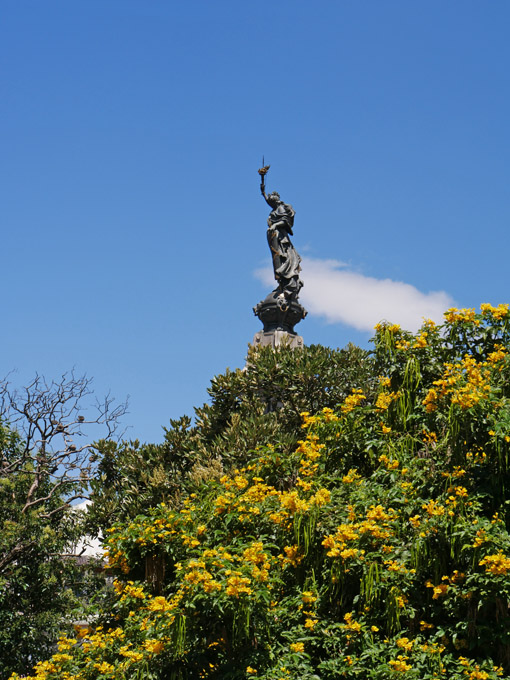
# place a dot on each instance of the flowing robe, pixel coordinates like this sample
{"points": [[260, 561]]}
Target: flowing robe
{"points": [[286, 261]]}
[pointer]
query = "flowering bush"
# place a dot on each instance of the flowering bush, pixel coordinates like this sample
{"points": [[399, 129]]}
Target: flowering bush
{"points": [[378, 549]]}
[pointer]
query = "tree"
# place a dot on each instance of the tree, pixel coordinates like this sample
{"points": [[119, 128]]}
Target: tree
{"points": [[379, 547], [248, 408], [44, 467]]}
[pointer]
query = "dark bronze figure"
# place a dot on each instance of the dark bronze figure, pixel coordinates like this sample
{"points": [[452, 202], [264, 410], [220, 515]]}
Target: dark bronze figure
{"points": [[286, 261], [280, 311]]}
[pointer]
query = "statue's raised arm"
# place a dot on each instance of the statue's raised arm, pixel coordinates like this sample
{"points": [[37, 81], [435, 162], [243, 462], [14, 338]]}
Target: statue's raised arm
{"points": [[263, 172]]}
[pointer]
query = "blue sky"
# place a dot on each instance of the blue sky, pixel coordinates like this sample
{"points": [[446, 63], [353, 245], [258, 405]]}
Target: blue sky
{"points": [[132, 224]]}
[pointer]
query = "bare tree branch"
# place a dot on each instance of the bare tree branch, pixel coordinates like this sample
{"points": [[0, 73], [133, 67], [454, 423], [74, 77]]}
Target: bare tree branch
{"points": [[55, 429]]}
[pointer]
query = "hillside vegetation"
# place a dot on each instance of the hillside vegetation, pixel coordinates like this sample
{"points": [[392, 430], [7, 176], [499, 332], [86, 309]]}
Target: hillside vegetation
{"points": [[330, 515]]}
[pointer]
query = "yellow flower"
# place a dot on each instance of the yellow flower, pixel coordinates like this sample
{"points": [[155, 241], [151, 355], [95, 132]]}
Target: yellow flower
{"points": [[384, 399], [238, 585], [405, 643], [415, 521], [160, 604], [433, 508], [351, 476], [293, 555], [429, 437], [329, 416], [497, 312], [297, 646], [352, 401], [453, 315], [385, 326], [421, 341], [321, 497], [308, 597], [104, 667], [154, 646], [438, 591], [400, 664], [350, 624], [498, 564], [426, 626], [251, 671], [389, 464]]}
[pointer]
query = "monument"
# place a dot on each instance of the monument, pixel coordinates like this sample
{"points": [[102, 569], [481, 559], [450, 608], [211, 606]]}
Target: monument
{"points": [[280, 311]]}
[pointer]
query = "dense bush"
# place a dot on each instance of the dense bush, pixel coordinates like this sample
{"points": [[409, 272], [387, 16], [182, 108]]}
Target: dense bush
{"points": [[250, 407], [377, 548]]}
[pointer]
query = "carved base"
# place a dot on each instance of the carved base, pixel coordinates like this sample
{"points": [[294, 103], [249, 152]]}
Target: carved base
{"points": [[277, 338], [278, 317]]}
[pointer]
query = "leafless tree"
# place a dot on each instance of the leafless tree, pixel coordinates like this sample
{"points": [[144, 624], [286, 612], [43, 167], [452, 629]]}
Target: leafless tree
{"points": [[55, 436]]}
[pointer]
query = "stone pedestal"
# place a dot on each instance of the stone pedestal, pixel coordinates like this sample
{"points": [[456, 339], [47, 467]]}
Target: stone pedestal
{"points": [[279, 316], [277, 338]]}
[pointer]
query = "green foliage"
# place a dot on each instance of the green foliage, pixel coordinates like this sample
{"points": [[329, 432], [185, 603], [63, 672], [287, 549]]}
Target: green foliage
{"points": [[376, 547], [248, 408], [43, 468], [35, 579]]}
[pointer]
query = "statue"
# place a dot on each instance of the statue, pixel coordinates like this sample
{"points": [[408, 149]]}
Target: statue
{"points": [[280, 310], [286, 261]]}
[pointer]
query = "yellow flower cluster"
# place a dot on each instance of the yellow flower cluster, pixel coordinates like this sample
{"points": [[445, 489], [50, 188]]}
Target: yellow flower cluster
{"points": [[351, 477], [384, 399], [405, 643], [116, 560], [429, 437], [350, 624], [376, 524], [129, 591], [467, 381], [293, 555], [328, 415], [454, 315], [293, 503], [238, 585], [260, 561], [352, 401], [311, 619], [433, 508], [438, 591], [384, 326], [400, 664], [388, 463], [96, 645], [154, 646], [497, 355], [308, 419], [310, 451], [421, 340], [160, 604], [498, 312], [403, 345], [198, 575], [498, 564]]}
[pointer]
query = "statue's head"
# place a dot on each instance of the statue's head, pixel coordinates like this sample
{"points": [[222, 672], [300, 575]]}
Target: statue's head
{"points": [[274, 198]]}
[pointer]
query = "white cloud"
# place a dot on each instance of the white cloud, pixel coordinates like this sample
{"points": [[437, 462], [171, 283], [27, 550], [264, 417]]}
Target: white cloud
{"points": [[343, 296]]}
